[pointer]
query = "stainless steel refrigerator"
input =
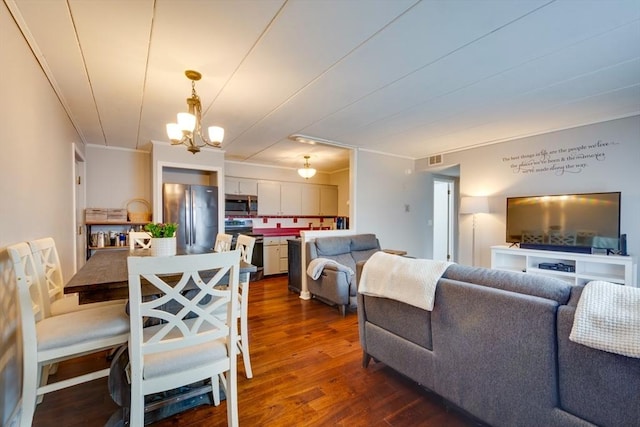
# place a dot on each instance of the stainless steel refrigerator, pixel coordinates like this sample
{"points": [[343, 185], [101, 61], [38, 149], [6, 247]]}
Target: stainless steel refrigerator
{"points": [[195, 209]]}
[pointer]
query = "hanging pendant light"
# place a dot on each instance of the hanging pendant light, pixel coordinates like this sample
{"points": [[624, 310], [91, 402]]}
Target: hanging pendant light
{"points": [[189, 126], [307, 171]]}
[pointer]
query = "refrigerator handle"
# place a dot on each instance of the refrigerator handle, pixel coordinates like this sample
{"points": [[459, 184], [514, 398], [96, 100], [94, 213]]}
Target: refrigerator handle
{"points": [[193, 217], [187, 217]]}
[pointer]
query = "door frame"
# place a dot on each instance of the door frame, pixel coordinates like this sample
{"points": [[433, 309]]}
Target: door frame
{"points": [[79, 178], [452, 215]]}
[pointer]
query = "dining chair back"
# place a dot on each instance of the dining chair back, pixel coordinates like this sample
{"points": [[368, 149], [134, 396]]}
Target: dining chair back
{"points": [[48, 269], [245, 244], [190, 344], [47, 339], [49, 272], [223, 242], [139, 240]]}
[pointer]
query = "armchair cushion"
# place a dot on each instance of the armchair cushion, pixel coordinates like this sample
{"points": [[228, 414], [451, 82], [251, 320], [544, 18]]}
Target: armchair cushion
{"points": [[329, 246]]}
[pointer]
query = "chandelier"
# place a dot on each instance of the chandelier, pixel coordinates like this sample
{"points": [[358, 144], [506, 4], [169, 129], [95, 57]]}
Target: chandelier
{"points": [[189, 126], [307, 171]]}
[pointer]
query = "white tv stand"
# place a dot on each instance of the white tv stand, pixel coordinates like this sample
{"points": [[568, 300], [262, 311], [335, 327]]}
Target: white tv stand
{"points": [[588, 267]]}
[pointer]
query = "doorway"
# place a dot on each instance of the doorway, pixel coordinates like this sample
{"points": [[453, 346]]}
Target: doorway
{"points": [[444, 218], [79, 192]]}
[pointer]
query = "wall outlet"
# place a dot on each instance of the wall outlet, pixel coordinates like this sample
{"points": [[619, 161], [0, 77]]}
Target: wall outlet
{"points": [[407, 208]]}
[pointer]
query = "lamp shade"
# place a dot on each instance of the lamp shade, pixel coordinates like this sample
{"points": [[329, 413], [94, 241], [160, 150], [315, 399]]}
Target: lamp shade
{"points": [[216, 134], [174, 132], [474, 205], [306, 172], [187, 121]]}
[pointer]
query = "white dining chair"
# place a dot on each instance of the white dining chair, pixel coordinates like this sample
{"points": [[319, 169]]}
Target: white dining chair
{"points": [[47, 340], [139, 240], [223, 242], [49, 271], [181, 350], [245, 244]]}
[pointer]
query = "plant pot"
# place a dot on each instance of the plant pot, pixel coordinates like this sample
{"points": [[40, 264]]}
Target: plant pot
{"points": [[163, 246]]}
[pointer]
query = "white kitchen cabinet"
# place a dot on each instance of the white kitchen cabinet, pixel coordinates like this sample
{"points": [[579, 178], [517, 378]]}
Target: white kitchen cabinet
{"points": [[279, 198], [584, 267], [268, 198], [310, 200], [271, 259], [276, 255], [284, 253], [329, 200], [319, 200], [240, 186]]}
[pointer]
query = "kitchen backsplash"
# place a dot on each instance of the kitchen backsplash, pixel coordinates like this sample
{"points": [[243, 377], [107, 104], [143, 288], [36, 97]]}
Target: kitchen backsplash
{"points": [[294, 222]]}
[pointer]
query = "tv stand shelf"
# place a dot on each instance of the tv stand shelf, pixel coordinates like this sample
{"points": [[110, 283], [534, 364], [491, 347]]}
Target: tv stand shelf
{"points": [[588, 267]]}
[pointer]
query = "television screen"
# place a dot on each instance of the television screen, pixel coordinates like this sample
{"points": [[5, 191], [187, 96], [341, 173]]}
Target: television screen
{"points": [[582, 220]]}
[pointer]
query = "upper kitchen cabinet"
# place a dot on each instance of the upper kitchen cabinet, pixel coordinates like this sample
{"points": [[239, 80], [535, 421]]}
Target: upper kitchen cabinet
{"points": [[240, 186], [321, 200], [279, 198]]}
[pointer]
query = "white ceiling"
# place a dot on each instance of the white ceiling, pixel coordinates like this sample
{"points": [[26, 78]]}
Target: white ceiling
{"points": [[405, 77]]}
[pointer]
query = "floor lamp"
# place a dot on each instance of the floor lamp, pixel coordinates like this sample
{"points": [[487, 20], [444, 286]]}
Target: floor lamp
{"points": [[473, 206]]}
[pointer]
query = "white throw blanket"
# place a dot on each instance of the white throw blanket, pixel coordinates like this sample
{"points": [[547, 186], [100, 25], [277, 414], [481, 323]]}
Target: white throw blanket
{"points": [[411, 281], [317, 264], [608, 318]]}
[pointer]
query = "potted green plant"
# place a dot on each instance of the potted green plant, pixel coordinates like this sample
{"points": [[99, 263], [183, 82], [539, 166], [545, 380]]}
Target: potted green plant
{"points": [[163, 238]]}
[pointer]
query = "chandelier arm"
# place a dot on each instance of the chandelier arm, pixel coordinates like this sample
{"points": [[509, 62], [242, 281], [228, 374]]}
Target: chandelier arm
{"points": [[195, 109]]}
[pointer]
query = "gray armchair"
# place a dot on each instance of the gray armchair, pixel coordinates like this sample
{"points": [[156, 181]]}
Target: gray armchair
{"points": [[336, 285]]}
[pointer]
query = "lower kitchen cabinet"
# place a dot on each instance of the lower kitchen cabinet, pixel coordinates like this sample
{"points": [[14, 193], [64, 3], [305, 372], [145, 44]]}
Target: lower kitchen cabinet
{"points": [[275, 255]]}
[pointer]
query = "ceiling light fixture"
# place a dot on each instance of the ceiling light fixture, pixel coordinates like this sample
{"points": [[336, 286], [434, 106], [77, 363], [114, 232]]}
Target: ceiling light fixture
{"points": [[312, 140], [189, 124], [307, 171]]}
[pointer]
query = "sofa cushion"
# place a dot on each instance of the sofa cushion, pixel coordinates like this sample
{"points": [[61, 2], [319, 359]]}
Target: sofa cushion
{"points": [[522, 283], [362, 242], [363, 255], [327, 246]]}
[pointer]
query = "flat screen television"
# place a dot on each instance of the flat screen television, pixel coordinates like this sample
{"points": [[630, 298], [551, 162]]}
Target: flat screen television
{"points": [[565, 221]]}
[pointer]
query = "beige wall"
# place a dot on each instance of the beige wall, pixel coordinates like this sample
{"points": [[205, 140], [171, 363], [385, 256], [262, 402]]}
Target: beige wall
{"points": [[116, 176], [494, 171], [36, 184]]}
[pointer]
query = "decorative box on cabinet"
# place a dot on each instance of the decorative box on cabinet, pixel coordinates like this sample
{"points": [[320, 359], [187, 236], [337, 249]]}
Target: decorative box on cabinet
{"points": [[295, 264], [586, 267]]}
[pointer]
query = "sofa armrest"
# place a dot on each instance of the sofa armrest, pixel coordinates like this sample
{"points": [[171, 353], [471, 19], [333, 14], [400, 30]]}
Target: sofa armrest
{"points": [[333, 285]]}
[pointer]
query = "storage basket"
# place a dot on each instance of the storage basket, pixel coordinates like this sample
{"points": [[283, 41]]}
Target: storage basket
{"points": [[139, 215]]}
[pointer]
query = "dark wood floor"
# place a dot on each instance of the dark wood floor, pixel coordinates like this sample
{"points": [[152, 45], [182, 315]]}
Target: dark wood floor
{"points": [[307, 369]]}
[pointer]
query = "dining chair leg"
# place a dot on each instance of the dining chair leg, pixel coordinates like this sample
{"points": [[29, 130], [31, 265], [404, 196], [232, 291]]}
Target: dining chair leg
{"points": [[244, 347], [215, 390], [136, 413], [232, 396], [30, 379], [43, 378]]}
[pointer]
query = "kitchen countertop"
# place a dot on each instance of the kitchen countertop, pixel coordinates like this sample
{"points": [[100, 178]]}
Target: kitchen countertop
{"points": [[279, 232]]}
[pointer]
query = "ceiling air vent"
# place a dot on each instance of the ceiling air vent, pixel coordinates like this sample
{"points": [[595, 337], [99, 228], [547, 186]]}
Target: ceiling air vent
{"points": [[435, 160]]}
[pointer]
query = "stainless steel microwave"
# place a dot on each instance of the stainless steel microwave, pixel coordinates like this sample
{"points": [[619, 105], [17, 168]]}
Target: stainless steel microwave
{"points": [[235, 204]]}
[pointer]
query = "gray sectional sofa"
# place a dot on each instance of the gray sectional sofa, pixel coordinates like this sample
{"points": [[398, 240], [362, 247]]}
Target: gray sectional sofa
{"points": [[497, 346], [336, 285]]}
